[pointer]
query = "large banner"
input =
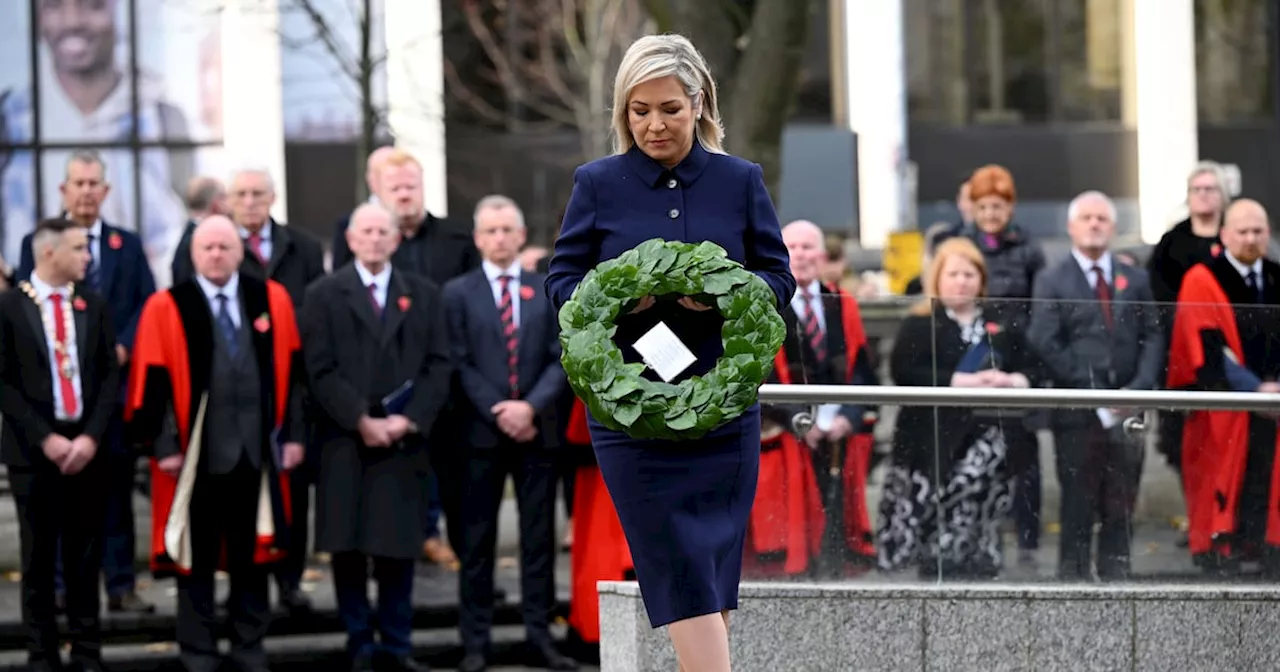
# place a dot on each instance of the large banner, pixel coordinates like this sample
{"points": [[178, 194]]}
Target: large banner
{"points": [[73, 76]]}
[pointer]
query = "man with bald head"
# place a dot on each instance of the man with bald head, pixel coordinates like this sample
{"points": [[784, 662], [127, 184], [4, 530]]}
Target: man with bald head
{"points": [[1224, 338], [1094, 325], [215, 391], [825, 344], [378, 365]]}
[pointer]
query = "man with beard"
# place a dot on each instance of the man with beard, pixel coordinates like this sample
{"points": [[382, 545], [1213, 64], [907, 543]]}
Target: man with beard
{"points": [[1223, 335], [87, 97]]}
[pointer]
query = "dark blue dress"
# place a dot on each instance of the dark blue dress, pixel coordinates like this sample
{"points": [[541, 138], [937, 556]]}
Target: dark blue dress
{"points": [[683, 505]]}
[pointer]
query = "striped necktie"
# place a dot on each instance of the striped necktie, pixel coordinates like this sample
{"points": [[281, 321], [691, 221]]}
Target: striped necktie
{"points": [[814, 334], [507, 311]]}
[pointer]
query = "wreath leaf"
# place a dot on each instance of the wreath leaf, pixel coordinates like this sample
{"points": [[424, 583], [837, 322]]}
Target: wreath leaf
{"points": [[615, 392]]}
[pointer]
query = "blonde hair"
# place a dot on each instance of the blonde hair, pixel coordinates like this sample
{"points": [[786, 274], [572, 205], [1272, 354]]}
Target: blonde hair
{"points": [[1219, 175], [656, 56], [951, 247], [398, 158]]}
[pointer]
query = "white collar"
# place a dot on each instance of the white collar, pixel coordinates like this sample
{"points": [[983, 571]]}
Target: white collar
{"points": [[492, 272], [380, 279], [44, 290], [1255, 267], [814, 288], [1087, 264], [231, 289], [264, 234]]}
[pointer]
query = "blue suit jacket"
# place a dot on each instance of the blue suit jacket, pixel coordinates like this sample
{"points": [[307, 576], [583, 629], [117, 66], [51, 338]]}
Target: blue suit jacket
{"points": [[125, 276], [623, 200], [480, 355]]}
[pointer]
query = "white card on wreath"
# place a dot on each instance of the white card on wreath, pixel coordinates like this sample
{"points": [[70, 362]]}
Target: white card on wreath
{"points": [[664, 352]]}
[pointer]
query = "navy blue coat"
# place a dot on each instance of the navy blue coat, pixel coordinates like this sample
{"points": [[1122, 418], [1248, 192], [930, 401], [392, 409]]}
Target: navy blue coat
{"points": [[623, 200], [125, 277]]}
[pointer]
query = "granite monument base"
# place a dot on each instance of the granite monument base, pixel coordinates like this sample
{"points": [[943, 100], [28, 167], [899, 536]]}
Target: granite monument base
{"points": [[859, 627]]}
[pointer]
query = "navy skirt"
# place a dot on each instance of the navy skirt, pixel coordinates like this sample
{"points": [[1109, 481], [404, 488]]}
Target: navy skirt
{"points": [[684, 508]]}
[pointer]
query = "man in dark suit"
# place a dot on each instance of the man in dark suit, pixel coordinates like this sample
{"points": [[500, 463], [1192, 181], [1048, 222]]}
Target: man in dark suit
{"points": [[205, 197], [118, 270], [215, 391], [504, 336], [377, 357], [1094, 324], [59, 381]]}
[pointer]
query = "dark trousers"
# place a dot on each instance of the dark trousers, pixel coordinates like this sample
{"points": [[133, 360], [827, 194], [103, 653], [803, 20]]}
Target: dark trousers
{"points": [[435, 508], [288, 572], [448, 473], [118, 533], [224, 506], [534, 472], [50, 507], [1024, 467], [1099, 472], [395, 602]]}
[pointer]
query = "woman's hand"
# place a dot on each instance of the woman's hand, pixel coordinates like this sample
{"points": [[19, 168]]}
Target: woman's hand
{"points": [[688, 303], [645, 304]]}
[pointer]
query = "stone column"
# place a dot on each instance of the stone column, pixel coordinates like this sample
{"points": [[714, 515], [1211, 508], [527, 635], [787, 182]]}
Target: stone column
{"points": [[252, 98], [415, 91]]}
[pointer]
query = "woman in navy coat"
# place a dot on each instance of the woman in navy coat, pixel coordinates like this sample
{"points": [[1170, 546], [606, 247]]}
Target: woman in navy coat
{"points": [[683, 505]]}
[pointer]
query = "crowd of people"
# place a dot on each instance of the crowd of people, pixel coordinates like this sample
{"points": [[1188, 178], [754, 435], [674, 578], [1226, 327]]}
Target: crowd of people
{"points": [[400, 385]]}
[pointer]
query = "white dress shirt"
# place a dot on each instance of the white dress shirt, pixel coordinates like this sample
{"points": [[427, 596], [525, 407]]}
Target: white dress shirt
{"points": [[493, 273], [1255, 268], [43, 293], [814, 304], [1087, 264], [231, 290], [95, 246], [379, 280]]}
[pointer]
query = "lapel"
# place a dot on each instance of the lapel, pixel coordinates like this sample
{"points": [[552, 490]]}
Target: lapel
{"points": [[530, 311], [392, 313], [280, 241], [110, 258], [482, 292], [81, 318], [358, 299], [32, 311]]}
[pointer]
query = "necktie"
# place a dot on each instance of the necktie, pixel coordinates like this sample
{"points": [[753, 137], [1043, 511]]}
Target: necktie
{"points": [[91, 271], [507, 311], [255, 245], [1104, 296], [813, 332], [227, 326], [1252, 281], [373, 299], [62, 357]]}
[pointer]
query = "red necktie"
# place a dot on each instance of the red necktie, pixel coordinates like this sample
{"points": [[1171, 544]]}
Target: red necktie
{"points": [[255, 244], [373, 298], [509, 333], [813, 331], [1104, 296], [62, 360]]}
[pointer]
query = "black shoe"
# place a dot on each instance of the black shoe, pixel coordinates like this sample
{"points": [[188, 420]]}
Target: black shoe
{"points": [[499, 594], [130, 603], [404, 664], [473, 662], [295, 602], [547, 657]]}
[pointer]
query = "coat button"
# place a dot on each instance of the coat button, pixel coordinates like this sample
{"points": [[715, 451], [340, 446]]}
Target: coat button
{"points": [[671, 183], [674, 213]]}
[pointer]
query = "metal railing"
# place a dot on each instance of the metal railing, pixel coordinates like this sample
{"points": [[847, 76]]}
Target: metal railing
{"points": [[898, 395]]}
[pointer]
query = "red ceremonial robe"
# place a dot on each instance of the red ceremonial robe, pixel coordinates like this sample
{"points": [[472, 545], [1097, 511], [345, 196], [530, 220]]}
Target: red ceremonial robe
{"points": [[1215, 444], [787, 482], [600, 551], [170, 369]]}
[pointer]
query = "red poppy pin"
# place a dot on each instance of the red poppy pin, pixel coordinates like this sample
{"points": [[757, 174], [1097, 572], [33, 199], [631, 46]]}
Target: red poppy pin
{"points": [[115, 241], [1215, 249], [1122, 283], [993, 328], [262, 324], [404, 304], [79, 304], [526, 292]]}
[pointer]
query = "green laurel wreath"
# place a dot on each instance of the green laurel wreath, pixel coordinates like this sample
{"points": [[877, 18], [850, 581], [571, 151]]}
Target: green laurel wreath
{"points": [[616, 394]]}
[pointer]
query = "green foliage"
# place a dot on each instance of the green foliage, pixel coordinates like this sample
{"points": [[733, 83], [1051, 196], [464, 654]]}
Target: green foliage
{"points": [[615, 392]]}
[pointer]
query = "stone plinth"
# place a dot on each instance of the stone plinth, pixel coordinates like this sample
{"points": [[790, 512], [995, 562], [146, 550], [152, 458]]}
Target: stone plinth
{"points": [[953, 628]]}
